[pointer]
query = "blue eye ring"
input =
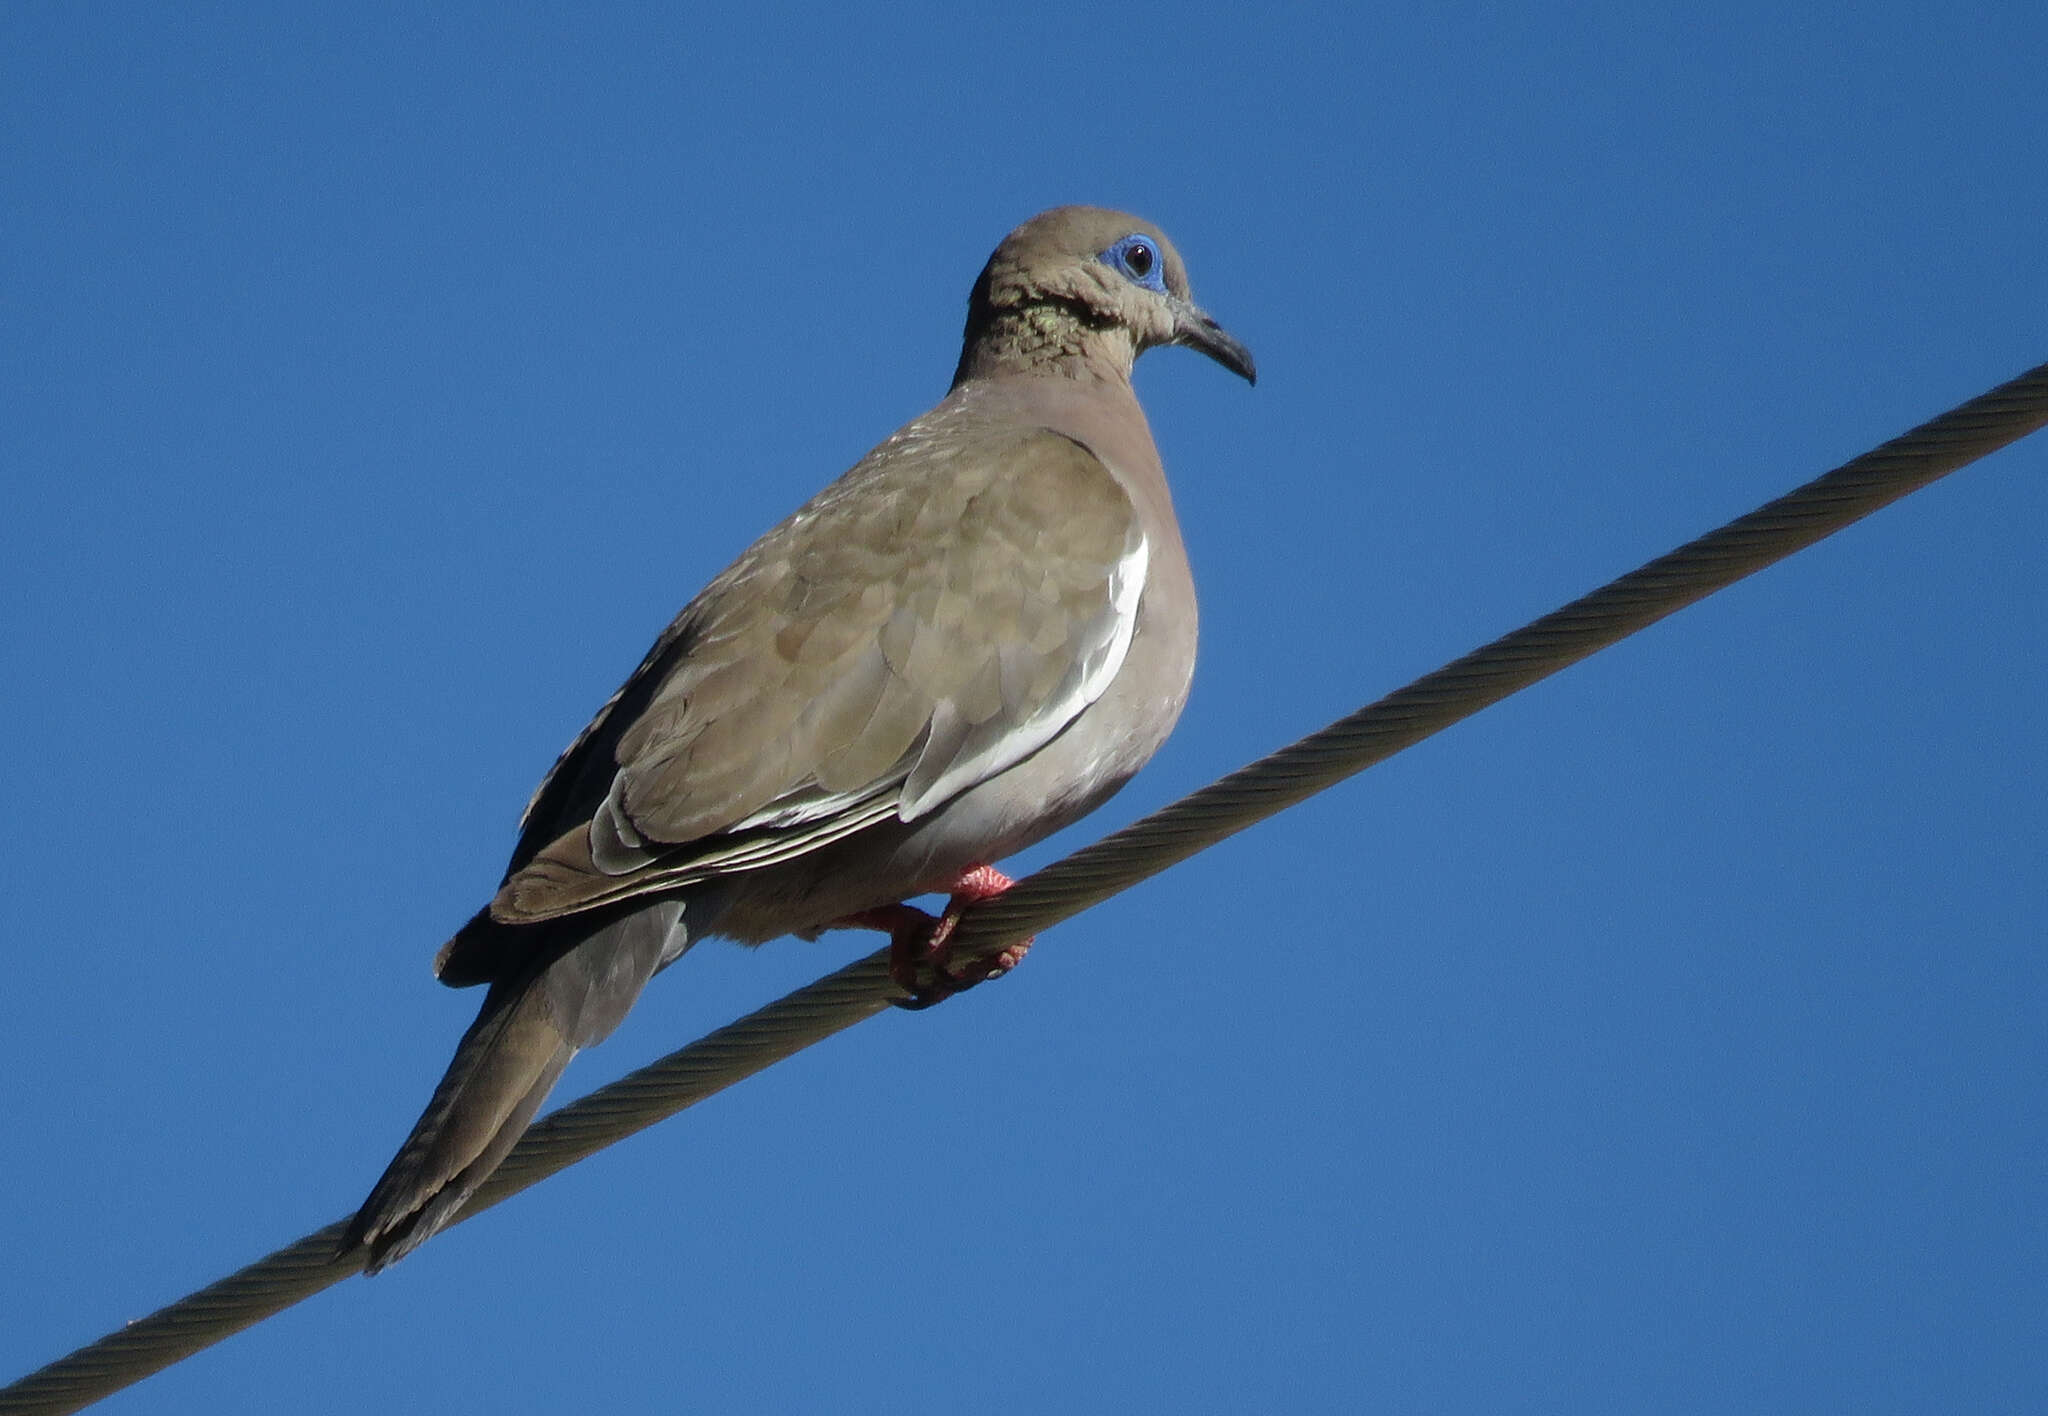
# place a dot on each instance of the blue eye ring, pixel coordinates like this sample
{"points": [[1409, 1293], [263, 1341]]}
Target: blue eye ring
{"points": [[1138, 259]]}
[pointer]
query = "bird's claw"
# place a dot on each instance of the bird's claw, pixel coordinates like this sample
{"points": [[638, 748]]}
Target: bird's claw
{"points": [[920, 944], [921, 963]]}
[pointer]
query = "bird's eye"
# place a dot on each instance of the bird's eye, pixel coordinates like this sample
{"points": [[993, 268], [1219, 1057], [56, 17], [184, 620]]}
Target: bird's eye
{"points": [[1138, 258]]}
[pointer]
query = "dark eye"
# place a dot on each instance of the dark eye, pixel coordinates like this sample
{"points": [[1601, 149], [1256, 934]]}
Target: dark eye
{"points": [[1137, 258]]}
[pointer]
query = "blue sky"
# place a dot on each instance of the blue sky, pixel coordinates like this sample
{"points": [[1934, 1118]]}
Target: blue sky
{"points": [[1670, 1037]]}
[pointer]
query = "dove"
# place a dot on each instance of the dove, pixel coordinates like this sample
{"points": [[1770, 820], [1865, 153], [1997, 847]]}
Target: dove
{"points": [[969, 640]]}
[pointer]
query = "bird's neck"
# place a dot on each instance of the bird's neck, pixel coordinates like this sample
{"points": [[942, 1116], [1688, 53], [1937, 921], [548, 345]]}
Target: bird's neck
{"points": [[1049, 339]]}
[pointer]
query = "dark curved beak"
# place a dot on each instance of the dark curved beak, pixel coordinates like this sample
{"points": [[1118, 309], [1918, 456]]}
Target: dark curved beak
{"points": [[1193, 328]]}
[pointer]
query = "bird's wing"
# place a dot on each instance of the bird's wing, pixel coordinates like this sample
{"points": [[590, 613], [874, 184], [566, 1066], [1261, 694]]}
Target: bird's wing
{"points": [[926, 622]]}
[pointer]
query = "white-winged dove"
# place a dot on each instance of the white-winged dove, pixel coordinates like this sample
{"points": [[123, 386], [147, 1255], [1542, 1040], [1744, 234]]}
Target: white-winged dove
{"points": [[968, 641]]}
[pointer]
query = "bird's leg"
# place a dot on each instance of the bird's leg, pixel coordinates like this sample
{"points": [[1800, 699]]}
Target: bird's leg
{"points": [[911, 952], [919, 941]]}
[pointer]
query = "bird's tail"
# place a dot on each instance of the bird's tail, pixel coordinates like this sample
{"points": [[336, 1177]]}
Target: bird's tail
{"points": [[552, 1002], [505, 1066]]}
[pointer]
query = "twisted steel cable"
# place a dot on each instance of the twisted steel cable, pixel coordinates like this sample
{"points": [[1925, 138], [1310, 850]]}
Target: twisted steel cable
{"points": [[1510, 663], [1094, 873]]}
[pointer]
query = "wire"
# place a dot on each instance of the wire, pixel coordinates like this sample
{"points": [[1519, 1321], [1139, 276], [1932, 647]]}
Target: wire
{"points": [[1094, 873]]}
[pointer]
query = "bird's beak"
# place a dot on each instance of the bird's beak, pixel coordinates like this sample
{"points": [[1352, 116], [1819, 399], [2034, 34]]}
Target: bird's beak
{"points": [[1193, 327]]}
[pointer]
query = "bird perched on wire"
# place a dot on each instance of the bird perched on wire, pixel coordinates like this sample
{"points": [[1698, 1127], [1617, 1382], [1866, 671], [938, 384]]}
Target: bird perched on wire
{"points": [[966, 642]]}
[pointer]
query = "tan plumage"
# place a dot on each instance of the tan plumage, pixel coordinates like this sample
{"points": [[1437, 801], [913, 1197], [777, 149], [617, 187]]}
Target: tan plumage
{"points": [[968, 640], [899, 627]]}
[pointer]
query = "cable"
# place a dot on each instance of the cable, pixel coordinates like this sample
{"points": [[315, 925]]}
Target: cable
{"points": [[1094, 873], [1510, 663]]}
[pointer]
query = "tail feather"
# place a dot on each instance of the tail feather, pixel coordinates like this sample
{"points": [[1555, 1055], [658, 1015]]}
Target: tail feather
{"points": [[530, 1025], [503, 1069]]}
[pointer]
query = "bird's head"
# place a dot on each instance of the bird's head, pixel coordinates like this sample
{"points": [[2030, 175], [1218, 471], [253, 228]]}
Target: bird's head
{"points": [[1083, 288]]}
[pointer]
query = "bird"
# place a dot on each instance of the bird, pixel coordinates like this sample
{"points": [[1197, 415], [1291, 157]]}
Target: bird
{"points": [[972, 638]]}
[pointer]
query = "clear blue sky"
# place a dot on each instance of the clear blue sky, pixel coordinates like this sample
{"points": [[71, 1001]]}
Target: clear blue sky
{"points": [[1672, 1037]]}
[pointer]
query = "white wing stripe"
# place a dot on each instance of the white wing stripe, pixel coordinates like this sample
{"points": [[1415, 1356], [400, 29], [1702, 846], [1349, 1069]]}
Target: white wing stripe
{"points": [[996, 746]]}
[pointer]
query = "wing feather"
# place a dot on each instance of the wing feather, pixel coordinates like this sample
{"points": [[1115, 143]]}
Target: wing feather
{"points": [[925, 623]]}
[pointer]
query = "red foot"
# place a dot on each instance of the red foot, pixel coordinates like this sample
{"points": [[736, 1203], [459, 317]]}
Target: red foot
{"points": [[919, 944]]}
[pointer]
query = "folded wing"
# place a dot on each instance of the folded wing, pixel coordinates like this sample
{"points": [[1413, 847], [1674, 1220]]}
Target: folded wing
{"points": [[914, 630]]}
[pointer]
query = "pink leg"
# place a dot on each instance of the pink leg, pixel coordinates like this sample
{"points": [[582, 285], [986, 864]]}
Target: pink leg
{"points": [[918, 943]]}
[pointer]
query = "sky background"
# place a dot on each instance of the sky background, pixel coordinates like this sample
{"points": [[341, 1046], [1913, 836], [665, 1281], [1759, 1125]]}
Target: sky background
{"points": [[1671, 1037]]}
